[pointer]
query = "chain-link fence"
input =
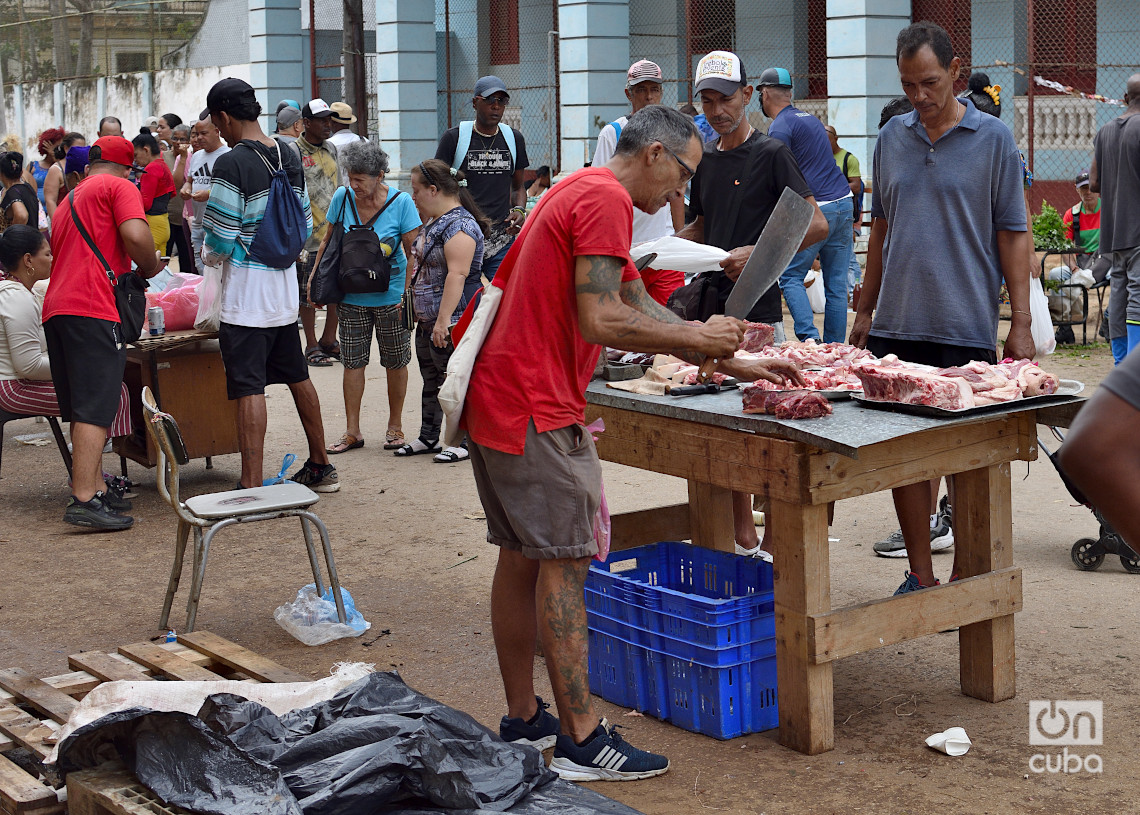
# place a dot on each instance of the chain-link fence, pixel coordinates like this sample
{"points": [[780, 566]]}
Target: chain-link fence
{"points": [[515, 40], [53, 40], [340, 30]]}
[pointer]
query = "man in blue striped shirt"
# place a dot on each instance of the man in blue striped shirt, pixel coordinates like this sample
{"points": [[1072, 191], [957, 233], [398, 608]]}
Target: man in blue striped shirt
{"points": [[258, 334]]}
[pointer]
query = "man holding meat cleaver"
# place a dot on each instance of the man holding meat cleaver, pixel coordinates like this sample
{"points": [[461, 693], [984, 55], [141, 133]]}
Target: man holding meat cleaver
{"points": [[570, 287], [734, 192], [933, 277]]}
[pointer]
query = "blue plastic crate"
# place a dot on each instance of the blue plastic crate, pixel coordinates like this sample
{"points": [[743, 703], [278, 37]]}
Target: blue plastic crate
{"points": [[711, 598], [762, 645], [722, 702], [685, 634]]}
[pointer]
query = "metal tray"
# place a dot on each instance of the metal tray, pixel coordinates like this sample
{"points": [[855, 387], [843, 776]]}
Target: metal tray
{"points": [[1068, 388]]}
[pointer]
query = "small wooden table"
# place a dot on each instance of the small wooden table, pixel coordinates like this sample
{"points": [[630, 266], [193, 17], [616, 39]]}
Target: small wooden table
{"points": [[802, 466], [184, 370]]}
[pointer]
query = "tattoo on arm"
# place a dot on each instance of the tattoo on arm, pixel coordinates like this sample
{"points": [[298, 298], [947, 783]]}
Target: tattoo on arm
{"points": [[634, 295], [603, 278]]}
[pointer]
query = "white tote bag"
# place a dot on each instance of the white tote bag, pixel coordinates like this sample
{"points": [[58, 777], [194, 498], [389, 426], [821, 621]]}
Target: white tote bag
{"points": [[1041, 324], [454, 391]]}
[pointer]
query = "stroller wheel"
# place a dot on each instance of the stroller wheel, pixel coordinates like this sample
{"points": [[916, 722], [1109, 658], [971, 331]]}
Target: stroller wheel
{"points": [[1131, 563], [1087, 554]]}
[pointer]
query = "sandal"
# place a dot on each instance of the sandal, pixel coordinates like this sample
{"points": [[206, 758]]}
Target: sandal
{"points": [[452, 455], [347, 442], [330, 350], [318, 358], [393, 439], [417, 448]]}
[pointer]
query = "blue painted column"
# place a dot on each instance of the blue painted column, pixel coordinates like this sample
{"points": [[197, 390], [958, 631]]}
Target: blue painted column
{"points": [[861, 71], [406, 87], [275, 54], [593, 60]]}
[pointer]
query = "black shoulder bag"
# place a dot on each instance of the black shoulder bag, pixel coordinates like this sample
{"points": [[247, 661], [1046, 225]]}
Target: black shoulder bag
{"points": [[130, 288], [364, 268]]}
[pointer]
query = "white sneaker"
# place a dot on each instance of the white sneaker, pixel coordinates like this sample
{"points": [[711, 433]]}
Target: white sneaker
{"points": [[755, 551]]}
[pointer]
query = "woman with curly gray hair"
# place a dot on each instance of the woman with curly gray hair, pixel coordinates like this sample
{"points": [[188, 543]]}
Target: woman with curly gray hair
{"points": [[362, 315]]}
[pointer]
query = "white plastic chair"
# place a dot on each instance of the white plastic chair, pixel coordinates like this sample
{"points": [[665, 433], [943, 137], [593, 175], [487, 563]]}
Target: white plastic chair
{"points": [[208, 514]]}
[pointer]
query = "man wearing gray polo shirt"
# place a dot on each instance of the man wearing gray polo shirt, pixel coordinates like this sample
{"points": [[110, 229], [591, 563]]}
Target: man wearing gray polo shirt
{"points": [[949, 225]]}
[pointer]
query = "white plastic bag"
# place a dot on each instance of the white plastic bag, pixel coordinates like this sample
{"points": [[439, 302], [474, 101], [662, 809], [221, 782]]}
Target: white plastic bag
{"points": [[1042, 325], [602, 526], [813, 283], [210, 300], [680, 255], [312, 619]]}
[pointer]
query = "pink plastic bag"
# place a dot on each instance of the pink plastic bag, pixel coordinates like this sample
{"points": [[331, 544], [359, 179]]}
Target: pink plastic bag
{"points": [[602, 526], [180, 306]]}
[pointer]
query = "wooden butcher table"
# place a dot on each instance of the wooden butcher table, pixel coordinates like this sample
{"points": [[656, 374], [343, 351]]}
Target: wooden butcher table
{"points": [[800, 466], [184, 370]]}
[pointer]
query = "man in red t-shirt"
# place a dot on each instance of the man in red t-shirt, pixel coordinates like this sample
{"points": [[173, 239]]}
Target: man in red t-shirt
{"points": [[568, 288], [81, 321]]}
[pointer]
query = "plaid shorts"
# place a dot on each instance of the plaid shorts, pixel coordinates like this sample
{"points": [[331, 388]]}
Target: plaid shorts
{"points": [[357, 324]]}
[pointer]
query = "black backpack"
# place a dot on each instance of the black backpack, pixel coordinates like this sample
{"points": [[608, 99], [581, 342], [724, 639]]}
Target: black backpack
{"points": [[282, 234], [364, 269]]}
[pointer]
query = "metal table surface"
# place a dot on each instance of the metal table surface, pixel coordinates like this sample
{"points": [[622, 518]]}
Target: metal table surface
{"points": [[850, 427]]}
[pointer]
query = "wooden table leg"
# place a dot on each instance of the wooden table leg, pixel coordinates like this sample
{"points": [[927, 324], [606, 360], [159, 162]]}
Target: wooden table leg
{"points": [[983, 535], [710, 513], [803, 588]]}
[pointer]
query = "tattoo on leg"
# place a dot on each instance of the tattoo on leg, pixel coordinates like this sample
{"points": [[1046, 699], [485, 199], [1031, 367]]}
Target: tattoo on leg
{"points": [[564, 613]]}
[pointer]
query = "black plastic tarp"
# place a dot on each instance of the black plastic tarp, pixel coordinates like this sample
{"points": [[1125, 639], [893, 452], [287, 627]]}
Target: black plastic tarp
{"points": [[376, 747]]}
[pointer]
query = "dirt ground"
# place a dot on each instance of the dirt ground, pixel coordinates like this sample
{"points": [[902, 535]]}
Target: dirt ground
{"points": [[410, 547]]}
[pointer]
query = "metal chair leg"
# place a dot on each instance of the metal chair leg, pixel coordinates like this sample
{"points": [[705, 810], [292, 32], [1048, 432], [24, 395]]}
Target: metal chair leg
{"points": [[175, 571], [200, 573], [316, 566], [334, 581], [61, 443]]}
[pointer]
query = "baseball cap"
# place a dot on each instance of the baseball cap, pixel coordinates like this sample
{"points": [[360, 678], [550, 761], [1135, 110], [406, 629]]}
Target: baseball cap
{"points": [[287, 103], [487, 85], [342, 113], [151, 123], [287, 117], [643, 71], [114, 149], [77, 159], [226, 95], [316, 109], [775, 77], [1083, 178], [720, 71]]}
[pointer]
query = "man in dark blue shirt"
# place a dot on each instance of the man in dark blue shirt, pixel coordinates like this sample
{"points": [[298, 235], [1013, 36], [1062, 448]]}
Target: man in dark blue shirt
{"points": [[805, 136]]}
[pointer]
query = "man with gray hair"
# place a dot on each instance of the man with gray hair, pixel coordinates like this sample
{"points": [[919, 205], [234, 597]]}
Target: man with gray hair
{"points": [[535, 466]]}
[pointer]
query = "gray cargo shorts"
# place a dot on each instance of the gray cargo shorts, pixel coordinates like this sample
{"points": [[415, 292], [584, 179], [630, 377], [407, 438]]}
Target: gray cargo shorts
{"points": [[542, 503]]}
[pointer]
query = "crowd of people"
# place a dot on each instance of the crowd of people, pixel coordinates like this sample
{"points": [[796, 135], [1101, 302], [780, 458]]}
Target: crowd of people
{"points": [[215, 191]]}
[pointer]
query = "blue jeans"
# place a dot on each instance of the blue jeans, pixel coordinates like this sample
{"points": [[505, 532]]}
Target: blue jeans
{"points": [[835, 252], [491, 264]]}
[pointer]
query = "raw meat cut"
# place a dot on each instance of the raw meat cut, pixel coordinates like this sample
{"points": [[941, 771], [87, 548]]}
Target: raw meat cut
{"points": [[913, 385], [757, 336], [797, 404], [716, 379]]}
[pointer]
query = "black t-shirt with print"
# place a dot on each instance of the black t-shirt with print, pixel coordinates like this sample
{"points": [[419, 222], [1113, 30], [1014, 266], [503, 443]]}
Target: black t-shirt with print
{"points": [[487, 167], [25, 195], [736, 195]]}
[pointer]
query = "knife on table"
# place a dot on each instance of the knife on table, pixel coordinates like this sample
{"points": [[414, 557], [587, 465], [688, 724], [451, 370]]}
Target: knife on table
{"points": [[778, 243]]}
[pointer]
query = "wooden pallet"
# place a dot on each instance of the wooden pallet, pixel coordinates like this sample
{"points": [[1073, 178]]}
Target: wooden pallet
{"points": [[32, 709]]}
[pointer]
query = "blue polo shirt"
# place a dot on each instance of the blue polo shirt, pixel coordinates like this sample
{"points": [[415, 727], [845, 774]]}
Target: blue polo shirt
{"points": [[944, 204], [805, 136]]}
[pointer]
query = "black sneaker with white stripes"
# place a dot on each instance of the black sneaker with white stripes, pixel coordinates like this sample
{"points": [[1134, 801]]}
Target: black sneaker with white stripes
{"points": [[540, 732], [605, 756]]}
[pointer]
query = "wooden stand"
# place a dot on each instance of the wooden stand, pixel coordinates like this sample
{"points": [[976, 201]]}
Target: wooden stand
{"points": [[184, 369], [799, 480]]}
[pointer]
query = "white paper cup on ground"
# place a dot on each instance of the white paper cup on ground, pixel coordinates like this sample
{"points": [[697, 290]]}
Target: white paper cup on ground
{"points": [[952, 742]]}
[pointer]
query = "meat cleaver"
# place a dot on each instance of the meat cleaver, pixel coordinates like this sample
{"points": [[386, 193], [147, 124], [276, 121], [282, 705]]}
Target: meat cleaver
{"points": [[778, 243]]}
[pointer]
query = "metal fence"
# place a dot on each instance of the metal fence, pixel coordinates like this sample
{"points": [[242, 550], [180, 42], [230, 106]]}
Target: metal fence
{"points": [[53, 40]]}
